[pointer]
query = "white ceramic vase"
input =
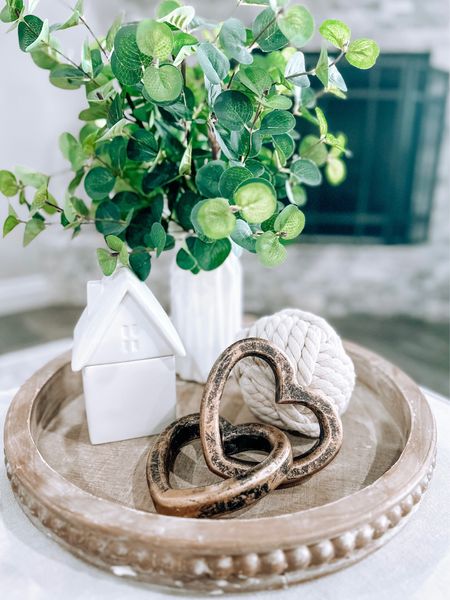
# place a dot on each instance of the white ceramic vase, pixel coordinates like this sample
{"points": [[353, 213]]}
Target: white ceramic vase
{"points": [[206, 310]]}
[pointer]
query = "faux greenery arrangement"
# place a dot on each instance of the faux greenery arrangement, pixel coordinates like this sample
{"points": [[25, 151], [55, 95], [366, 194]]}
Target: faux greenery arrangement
{"points": [[190, 126]]}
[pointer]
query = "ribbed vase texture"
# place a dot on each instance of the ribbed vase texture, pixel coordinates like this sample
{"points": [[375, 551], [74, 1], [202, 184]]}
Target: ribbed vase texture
{"points": [[206, 310]]}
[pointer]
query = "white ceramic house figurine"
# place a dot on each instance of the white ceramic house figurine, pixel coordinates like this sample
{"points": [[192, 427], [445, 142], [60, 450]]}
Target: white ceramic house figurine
{"points": [[125, 345]]}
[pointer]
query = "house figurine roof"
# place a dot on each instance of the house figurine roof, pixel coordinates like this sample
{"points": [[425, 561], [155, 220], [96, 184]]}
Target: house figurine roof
{"points": [[105, 300]]}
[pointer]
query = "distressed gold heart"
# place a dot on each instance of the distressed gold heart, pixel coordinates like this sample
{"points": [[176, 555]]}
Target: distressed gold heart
{"points": [[287, 392], [239, 490]]}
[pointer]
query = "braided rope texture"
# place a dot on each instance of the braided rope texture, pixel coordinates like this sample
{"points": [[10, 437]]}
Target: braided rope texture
{"points": [[320, 364]]}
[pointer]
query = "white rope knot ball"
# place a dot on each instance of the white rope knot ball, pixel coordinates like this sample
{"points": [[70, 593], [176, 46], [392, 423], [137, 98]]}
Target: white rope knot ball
{"points": [[320, 364]]}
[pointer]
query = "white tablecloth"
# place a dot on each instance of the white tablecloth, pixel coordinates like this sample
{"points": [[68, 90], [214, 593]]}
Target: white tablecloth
{"points": [[415, 564]]}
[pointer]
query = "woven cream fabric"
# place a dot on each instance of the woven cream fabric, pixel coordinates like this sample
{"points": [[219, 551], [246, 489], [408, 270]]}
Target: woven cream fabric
{"points": [[320, 363]]}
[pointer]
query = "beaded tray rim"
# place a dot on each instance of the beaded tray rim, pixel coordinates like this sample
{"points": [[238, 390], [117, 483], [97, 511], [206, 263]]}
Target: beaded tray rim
{"points": [[226, 555]]}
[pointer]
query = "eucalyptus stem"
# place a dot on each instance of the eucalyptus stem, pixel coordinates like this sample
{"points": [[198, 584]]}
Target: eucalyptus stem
{"points": [[313, 71], [133, 107], [102, 50]]}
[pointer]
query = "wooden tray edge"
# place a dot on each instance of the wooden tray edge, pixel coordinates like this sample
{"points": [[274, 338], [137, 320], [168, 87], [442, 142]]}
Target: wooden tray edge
{"points": [[168, 550]]}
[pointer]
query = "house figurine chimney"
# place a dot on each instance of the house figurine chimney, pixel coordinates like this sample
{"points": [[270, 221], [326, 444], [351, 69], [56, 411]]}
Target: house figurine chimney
{"points": [[94, 290], [125, 346]]}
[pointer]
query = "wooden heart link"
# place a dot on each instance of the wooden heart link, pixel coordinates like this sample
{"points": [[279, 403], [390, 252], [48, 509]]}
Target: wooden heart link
{"points": [[287, 391], [239, 490]]}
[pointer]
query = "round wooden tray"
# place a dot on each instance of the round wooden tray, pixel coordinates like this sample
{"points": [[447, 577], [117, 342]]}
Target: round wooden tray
{"points": [[94, 501]]}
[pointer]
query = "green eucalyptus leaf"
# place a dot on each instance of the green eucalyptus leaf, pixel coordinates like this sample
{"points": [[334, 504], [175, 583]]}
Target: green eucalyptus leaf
{"points": [[43, 39], [158, 237], [256, 199], [12, 11], [335, 79], [185, 204], [296, 194], [99, 183], [290, 222], [306, 171], [117, 129], [297, 24], [242, 235], [75, 181], [41, 197], [313, 148], [163, 84], [208, 177], [44, 58], [233, 38], [94, 112], [185, 167], [214, 63], [8, 184], [74, 18], [233, 109], [31, 178], [72, 150], [112, 32], [108, 219], [255, 166], [338, 144], [142, 146], [115, 111], [214, 217], [124, 258], [277, 122], [183, 40], [285, 147], [296, 70], [322, 67], [29, 30], [10, 223], [161, 176], [336, 32], [126, 48], [107, 261], [255, 79], [267, 33], [335, 171], [33, 228], [244, 144], [209, 256], [307, 99], [277, 101], [224, 140], [74, 207], [127, 61], [114, 243], [231, 179], [154, 39], [124, 74], [322, 121], [67, 77], [363, 53], [127, 202], [269, 249], [180, 17], [185, 260], [166, 7], [140, 263]]}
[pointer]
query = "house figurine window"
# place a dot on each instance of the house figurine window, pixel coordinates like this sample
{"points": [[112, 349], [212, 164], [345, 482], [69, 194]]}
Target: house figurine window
{"points": [[130, 338]]}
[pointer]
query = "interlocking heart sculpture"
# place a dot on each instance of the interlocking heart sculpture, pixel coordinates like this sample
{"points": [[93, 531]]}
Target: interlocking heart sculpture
{"points": [[244, 482]]}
